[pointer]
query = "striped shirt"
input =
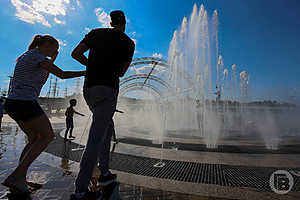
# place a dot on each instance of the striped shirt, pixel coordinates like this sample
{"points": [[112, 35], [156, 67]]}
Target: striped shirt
{"points": [[29, 77]]}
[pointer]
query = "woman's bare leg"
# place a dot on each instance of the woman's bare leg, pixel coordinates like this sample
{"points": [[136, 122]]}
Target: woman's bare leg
{"points": [[32, 137], [41, 126]]}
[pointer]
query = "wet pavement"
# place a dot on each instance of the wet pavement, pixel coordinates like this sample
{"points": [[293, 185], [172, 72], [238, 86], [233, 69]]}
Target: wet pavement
{"points": [[58, 173], [57, 168]]}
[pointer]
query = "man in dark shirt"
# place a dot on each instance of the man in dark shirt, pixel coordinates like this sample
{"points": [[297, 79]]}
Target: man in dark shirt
{"points": [[111, 52]]}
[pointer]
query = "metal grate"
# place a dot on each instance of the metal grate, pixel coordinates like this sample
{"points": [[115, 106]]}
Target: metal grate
{"points": [[217, 174]]}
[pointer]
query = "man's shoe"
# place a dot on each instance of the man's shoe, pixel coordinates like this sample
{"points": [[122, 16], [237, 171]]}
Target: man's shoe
{"points": [[106, 180], [87, 196]]}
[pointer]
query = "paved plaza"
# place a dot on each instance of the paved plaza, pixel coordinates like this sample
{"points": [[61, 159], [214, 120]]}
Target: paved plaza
{"points": [[189, 173]]}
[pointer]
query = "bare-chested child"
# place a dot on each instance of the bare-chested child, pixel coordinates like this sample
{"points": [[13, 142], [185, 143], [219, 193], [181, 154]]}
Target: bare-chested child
{"points": [[69, 119]]}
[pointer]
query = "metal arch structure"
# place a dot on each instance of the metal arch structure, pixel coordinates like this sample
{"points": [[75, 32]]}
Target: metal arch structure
{"points": [[154, 61], [160, 62], [145, 76], [144, 85], [140, 86], [148, 60]]}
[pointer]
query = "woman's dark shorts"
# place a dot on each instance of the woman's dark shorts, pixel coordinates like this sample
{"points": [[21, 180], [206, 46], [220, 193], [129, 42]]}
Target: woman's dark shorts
{"points": [[21, 110]]}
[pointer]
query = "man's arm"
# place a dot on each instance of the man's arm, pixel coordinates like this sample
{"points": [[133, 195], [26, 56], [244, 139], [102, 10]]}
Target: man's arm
{"points": [[78, 53]]}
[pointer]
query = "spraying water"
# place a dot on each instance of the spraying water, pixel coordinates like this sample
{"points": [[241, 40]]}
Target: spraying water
{"points": [[192, 106], [190, 56]]}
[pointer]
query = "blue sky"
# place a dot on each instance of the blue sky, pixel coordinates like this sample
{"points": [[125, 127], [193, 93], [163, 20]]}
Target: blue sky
{"points": [[259, 36]]}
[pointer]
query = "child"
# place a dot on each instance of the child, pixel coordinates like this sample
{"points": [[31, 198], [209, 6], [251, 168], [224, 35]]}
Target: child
{"points": [[69, 118]]}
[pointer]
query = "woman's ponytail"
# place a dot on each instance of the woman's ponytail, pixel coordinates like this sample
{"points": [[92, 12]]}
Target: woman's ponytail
{"points": [[35, 42]]}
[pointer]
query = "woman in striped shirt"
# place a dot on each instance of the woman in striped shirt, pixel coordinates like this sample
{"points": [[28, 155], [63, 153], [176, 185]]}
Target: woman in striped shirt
{"points": [[31, 73]]}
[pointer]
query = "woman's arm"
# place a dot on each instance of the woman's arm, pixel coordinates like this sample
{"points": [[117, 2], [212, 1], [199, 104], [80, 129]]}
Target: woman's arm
{"points": [[53, 69]]}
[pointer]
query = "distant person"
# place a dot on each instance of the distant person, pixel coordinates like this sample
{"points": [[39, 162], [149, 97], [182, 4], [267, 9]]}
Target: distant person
{"points": [[69, 118], [111, 52], [31, 73], [1, 113]]}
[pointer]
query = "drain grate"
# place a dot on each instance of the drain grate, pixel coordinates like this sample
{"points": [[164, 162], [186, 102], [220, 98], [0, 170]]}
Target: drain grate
{"points": [[217, 174], [175, 170], [257, 178]]}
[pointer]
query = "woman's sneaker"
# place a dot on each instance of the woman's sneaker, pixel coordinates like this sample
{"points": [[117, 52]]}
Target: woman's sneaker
{"points": [[106, 180]]}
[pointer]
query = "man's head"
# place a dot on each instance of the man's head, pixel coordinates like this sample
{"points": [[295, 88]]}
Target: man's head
{"points": [[118, 20]]}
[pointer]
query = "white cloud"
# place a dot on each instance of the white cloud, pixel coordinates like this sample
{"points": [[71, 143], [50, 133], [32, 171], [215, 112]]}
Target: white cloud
{"points": [[133, 34], [157, 55], [42, 11], [87, 29], [51, 7], [27, 14], [59, 21], [62, 43], [103, 17]]}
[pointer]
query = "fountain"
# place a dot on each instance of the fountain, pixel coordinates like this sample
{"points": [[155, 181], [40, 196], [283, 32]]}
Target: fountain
{"points": [[194, 55], [190, 55], [207, 100]]}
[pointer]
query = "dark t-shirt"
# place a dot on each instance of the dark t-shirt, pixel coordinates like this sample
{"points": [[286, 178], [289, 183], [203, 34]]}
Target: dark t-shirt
{"points": [[109, 49]]}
